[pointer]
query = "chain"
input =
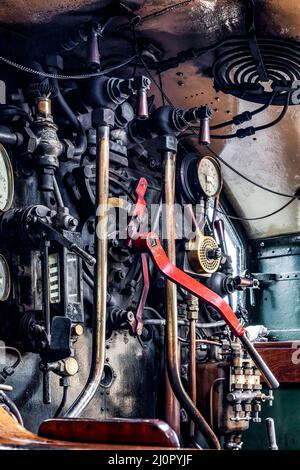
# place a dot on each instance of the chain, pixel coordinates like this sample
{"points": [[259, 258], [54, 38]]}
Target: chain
{"points": [[26, 69]]}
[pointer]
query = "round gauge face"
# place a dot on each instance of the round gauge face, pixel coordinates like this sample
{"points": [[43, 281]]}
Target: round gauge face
{"points": [[4, 279], [6, 181], [209, 176]]}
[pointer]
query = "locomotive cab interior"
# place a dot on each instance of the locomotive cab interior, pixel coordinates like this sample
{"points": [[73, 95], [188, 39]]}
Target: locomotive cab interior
{"points": [[150, 225]]}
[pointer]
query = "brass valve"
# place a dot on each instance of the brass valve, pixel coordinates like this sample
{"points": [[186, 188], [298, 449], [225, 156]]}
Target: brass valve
{"points": [[204, 254]]}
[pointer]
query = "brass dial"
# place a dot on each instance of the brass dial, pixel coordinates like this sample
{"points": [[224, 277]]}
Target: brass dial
{"points": [[209, 176]]}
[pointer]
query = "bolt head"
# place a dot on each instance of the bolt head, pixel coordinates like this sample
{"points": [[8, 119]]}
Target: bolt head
{"points": [[103, 117]]}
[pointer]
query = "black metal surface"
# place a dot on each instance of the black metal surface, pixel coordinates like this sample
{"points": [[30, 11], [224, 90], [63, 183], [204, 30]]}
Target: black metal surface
{"points": [[235, 70]]}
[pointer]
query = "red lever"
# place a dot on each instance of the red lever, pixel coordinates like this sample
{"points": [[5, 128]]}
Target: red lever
{"points": [[149, 242], [152, 245], [138, 212], [142, 302]]}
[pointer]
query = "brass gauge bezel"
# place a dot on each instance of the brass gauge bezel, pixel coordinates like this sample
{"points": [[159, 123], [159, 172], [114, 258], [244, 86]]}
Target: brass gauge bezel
{"points": [[218, 168], [10, 178]]}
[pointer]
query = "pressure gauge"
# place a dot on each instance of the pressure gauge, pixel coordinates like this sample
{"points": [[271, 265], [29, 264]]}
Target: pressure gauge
{"points": [[209, 176], [200, 177], [6, 181], [5, 281]]}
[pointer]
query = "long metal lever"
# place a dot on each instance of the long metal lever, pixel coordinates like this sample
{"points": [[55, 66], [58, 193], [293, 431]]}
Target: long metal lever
{"points": [[54, 235], [150, 243], [271, 434]]}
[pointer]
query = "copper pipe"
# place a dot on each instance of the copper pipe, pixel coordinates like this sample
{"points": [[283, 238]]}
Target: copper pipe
{"points": [[171, 308], [201, 341], [172, 404], [211, 399], [192, 370], [100, 290]]}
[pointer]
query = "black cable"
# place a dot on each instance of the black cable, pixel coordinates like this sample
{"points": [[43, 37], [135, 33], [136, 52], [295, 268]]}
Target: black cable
{"points": [[161, 87], [10, 111], [115, 173], [26, 69], [281, 115], [63, 402], [122, 186], [16, 352], [211, 150], [258, 218], [246, 177], [249, 114], [163, 94], [11, 406], [88, 279], [81, 140], [252, 130]]}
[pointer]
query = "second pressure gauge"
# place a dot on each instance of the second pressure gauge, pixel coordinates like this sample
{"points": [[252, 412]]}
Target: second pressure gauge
{"points": [[209, 176], [200, 177]]}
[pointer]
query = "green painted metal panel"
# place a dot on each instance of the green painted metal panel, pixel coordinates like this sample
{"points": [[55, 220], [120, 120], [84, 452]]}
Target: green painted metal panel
{"points": [[278, 308], [278, 302], [286, 413]]}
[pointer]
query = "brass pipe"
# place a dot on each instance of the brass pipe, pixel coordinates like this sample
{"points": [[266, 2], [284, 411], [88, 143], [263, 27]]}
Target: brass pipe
{"points": [[172, 404], [171, 307], [192, 369], [172, 412], [100, 289]]}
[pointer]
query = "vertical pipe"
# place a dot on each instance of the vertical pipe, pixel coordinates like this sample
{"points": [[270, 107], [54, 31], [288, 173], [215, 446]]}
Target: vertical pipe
{"points": [[271, 434], [46, 312], [172, 404], [171, 307], [46, 294], [100, 290], [192, 369], [57, 193]]}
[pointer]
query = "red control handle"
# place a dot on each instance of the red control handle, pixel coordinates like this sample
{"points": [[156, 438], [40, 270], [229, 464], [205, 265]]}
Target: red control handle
{"points": [[150, 243]]}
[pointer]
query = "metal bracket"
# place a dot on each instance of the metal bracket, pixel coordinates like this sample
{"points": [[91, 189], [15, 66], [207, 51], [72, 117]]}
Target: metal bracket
{"points": [[271, 277]]}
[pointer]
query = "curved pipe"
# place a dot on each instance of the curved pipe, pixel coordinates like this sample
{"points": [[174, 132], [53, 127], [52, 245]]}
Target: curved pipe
{"points": [[11, 406], [100, 291], [9, 137], [81, 141], [172, 320]]}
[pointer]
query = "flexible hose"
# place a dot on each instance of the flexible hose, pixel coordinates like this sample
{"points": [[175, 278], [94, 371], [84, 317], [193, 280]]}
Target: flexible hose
{"points": [[63, 402], [11, 406], [81, 141]]}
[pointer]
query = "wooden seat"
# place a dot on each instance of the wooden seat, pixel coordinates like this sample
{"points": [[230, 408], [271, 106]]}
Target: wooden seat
{"points": [[146, 432], [12, 435]]}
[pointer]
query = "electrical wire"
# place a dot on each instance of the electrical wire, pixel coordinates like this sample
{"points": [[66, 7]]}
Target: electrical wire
{"points": [[251, 113], [208, 147], [203, 341], [63, 402], [26, 69], [257, 218], [88, 280], [247, 131], [16, 352], [293, 197], [7, 111], [278, 193], [163, 94], [122, 186], [243, 132], [151, 309], [11, 406]]}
